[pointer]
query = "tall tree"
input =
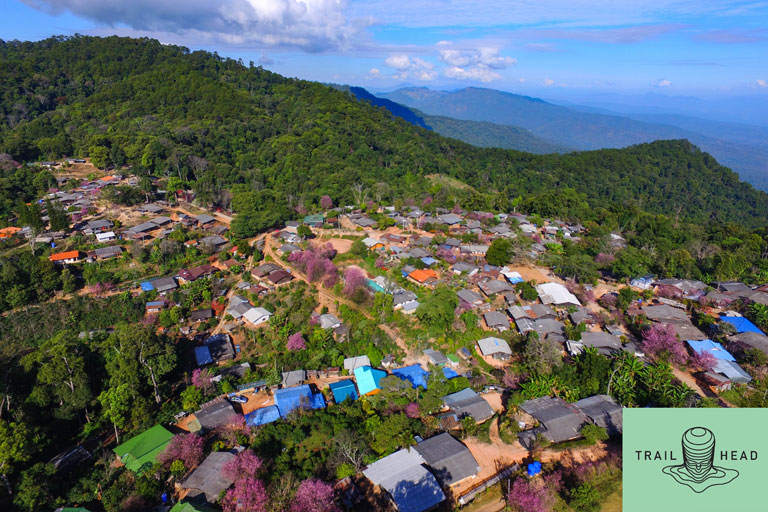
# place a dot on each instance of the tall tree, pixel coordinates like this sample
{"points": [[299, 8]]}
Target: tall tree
{"points": [[58, 220], [62, 376], [18, 443], [116, 405], [137, 351]]}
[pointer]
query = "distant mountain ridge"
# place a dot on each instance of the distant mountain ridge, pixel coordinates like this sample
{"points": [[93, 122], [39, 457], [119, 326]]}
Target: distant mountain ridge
{"points": [[482, 134], [581, 129]]}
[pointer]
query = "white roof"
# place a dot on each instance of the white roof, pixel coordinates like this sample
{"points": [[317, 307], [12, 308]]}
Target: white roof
{"points": [[370, 242], [109, 235], [351, 363], [555, 293], [257, 315]]}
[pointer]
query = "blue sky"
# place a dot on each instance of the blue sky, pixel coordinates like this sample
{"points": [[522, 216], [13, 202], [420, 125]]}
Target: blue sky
{"points": [[541, 47]]}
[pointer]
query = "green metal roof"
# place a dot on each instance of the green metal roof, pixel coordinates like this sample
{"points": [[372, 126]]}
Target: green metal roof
{"points": [[185, 506], [140, 452], [452, 358]]}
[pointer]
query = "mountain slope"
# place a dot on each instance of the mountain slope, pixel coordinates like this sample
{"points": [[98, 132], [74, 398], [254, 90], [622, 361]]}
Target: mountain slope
{"points": [[484, 135], [581, 129], [491, 135], [270, 143]]}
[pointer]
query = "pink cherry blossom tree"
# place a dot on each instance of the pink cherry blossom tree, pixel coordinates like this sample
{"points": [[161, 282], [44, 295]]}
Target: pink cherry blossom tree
{"points": [[201, 379], [354, 280], [326, 203], [314, 495], [660, 341], [188, 448], [247, 495], [296, 342], [246, 464]]}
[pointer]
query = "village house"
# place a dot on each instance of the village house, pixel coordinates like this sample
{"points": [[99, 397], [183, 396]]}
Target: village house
{"points": [[451, 461], [423, 276], [106, 236], [404, 477], [558, 420], [209, 478], [467, 403], [257, 316], [496, 320], [495, 348], [67, 257], [105, 253], [195, 273]]}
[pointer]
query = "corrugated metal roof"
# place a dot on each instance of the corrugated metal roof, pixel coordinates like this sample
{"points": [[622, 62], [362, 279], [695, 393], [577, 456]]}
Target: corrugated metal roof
{"points": [[450, 460], [412, 487]]}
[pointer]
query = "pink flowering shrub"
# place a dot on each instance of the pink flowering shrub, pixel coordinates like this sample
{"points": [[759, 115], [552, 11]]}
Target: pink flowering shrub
{"points": [[604, 258], [412, 410], [326, 203]]}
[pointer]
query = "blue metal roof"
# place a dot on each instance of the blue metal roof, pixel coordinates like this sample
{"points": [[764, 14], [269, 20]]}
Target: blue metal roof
{"points": [[368, 379], [712, 347], [342, 390], [415, 374], [203, 356], [741, 324], [449, 374], [289, 399], [146, 286], [428, 261], [155, 303], [262, 416]]}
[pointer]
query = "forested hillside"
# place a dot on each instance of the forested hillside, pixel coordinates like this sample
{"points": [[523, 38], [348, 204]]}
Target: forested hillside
{"points": [[269, 143], [585, 128]]}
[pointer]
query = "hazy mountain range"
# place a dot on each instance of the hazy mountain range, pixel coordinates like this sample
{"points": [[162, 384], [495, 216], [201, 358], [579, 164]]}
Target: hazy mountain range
{"points": [[740, 146]]}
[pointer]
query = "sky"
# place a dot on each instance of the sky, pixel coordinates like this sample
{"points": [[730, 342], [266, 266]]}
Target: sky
{"points": [[551, 48]]}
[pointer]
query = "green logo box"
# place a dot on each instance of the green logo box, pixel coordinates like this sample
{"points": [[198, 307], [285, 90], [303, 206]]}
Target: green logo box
{"points": [[698, 460]]}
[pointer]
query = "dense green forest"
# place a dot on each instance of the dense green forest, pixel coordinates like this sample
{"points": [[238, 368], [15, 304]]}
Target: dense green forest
{"points": [[274, 142]]}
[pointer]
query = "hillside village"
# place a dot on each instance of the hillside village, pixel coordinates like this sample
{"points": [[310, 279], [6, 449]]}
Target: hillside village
{"points": [[446, 325]]}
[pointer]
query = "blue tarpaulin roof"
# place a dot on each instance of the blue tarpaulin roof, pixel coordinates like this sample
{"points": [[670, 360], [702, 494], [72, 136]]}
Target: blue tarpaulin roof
{"points": [[368, 379], [712, 347], [262, 416], [741, 324], [289, 399], [449, 374], [203, 356], [343, 390], [415, 374], [146, 286]]}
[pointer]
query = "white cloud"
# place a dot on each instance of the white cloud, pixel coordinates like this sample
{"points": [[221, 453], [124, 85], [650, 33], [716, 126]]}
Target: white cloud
{"points": [[548, 82], [373, 73], [478, 64], [265, 60], [521, 80], [310, 25], [762, 83], [663, 82], [411, 67]]}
